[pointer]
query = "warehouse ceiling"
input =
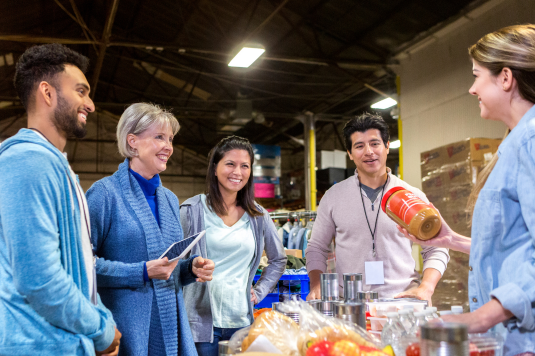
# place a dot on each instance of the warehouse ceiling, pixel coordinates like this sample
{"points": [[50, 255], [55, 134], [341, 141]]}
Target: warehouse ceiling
{"points": [[331, 58]]}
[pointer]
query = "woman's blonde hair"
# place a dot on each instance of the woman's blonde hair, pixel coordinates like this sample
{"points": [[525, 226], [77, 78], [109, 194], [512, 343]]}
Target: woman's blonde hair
{"points": [[512, 47], [136, 119]]}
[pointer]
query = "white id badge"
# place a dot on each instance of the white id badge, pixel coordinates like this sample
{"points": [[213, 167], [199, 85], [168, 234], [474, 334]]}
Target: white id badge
{"points": [[374, 271]]}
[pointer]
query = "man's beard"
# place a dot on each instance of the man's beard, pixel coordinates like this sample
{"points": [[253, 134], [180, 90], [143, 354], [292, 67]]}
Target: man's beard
{"points": [[67, 121]]}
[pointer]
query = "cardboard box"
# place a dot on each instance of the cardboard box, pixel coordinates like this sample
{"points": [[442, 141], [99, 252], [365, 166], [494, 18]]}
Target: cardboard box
{"points": [[470, 149], [432, 181], [296, 253], [432, 160], [473, 149], [291, 252], [457, 173], [333, 159]]}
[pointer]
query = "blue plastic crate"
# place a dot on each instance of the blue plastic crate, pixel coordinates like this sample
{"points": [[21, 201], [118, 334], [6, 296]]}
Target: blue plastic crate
{"points": [[284, 292]]}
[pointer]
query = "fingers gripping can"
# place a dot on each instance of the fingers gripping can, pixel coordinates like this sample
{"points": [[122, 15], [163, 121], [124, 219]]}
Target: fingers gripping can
{"points": [[411, 212]]}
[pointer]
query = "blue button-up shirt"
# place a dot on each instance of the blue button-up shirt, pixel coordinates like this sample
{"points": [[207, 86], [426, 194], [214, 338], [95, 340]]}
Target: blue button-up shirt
{"points": [[502, 255]]}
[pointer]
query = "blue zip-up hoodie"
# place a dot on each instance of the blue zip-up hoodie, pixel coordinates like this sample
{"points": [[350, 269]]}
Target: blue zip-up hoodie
{"points": [[45, 306]]}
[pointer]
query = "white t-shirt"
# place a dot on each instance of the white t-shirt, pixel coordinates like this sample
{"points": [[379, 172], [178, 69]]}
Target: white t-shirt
{"points": [[232, 249], [84, 224]]}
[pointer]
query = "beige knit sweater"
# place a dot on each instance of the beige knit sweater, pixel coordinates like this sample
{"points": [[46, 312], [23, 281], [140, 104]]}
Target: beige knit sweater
{"points": [[341, 215]]}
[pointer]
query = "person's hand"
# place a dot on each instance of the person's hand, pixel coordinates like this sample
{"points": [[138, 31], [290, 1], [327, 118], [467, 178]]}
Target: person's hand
{"points": [[161, 269], [442, 239], [113, 349], [254, 299], [315, 293], [482, 319], [203, 268], [475, 324], [420, 292]]}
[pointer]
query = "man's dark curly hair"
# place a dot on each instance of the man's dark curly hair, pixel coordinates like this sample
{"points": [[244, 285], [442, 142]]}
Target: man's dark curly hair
{"points": [[43, 63], [363, 123]]}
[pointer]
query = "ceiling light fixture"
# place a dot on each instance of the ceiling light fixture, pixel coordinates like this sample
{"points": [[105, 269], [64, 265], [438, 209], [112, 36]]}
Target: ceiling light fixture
{"points": [[246, 57], [384, 104], [395, 144]]}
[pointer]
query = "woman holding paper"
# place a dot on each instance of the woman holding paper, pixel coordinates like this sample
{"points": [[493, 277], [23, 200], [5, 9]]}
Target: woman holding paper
{"points": [[237, 232], [133, 222]]}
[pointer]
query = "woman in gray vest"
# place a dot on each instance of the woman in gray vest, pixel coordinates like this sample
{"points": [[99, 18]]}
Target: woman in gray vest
{"points": [[237, 232]]}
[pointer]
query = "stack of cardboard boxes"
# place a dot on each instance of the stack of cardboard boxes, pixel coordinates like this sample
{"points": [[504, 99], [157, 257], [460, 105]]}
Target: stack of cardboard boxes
{"points": [[449, 173], [448, 176]]}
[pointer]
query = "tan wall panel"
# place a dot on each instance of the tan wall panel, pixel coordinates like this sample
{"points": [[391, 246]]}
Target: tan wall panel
{"points": [[436, 107]]}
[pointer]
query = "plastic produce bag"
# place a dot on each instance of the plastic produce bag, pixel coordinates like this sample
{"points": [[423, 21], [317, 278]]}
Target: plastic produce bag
{"points": [[321, 335], [278, 329], [316, 334]]}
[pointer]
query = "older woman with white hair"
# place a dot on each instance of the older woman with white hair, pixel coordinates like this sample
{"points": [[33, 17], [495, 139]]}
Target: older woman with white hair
{"points": [[134, 219]]}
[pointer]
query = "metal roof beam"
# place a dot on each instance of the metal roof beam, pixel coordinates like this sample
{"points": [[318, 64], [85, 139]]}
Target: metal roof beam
{"points": [[266, 21], [349, 64], [104, 44]]}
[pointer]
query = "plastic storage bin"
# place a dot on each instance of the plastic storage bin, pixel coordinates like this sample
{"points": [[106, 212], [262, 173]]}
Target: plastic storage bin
{"points": [[286, 289], [383, 306], [488, 344], [377, 323]]}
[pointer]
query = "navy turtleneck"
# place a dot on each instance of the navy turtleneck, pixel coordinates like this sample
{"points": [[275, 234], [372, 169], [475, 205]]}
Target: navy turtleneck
{"points": [[148, 186]]}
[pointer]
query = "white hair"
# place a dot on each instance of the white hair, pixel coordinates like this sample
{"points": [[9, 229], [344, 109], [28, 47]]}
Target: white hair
{"points": [[136, 119]]}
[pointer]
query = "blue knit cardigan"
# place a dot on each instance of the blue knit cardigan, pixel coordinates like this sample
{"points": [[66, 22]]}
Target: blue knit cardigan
{"points": [[125, 235], [45, 306]]}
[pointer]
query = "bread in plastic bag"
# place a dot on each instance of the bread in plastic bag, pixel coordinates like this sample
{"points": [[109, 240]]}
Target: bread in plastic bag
{"points": [[279, 329], [315, 331]]}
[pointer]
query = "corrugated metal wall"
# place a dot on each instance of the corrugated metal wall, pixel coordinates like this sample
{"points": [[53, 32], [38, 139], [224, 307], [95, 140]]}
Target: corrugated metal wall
{"points": [[436, 108]]}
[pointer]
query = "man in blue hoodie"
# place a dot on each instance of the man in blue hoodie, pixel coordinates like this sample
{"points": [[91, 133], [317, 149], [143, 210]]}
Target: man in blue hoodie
{"points": [[48, 299]]}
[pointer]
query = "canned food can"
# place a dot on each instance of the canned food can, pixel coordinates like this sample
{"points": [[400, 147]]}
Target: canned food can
{"points": [[224, 349]]}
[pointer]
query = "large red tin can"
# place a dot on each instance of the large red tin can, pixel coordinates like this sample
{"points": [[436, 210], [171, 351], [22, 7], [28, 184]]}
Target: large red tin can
{"points": [[412, 213]]}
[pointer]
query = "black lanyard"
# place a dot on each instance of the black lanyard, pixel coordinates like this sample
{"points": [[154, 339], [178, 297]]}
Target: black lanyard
{"points": [[376, 218]]}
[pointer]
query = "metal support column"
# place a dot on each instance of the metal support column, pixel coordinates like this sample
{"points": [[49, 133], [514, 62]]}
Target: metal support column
{"points": [[400, 128], [310, 161]]}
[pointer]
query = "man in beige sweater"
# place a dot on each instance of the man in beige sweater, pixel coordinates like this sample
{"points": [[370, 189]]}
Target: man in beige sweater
{"points": [[367, 240]]}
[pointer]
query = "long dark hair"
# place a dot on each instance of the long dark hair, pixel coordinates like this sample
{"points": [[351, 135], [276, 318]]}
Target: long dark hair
{"points": [[245, 198]]}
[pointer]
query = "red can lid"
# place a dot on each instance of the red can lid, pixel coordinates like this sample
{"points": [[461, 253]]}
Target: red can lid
{"points": [[387, 195]]}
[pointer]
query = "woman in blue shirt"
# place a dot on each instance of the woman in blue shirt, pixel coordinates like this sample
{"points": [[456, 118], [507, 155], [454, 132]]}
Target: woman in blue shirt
{"points": [[237, 232], [134, 219], [502, 248]]}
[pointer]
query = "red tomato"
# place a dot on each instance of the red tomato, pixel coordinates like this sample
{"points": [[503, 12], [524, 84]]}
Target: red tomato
{"points": [[487, 353], [413, 350], [321, 348], [474, 351]]}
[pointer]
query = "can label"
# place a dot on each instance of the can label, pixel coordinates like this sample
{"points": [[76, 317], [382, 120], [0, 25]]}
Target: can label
{"points": [[405, 205]]}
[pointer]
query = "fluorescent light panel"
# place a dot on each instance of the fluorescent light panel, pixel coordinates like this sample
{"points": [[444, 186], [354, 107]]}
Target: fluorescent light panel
{"points": [[395, 144], [384, 104], [246, 57]]}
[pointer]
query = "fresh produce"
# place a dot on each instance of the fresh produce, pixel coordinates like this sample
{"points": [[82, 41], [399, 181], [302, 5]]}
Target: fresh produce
{"points": [[321, 348], [475, 351], [331, 333], [413, 350], [389, 350], [370, 351], [344, 348]]}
